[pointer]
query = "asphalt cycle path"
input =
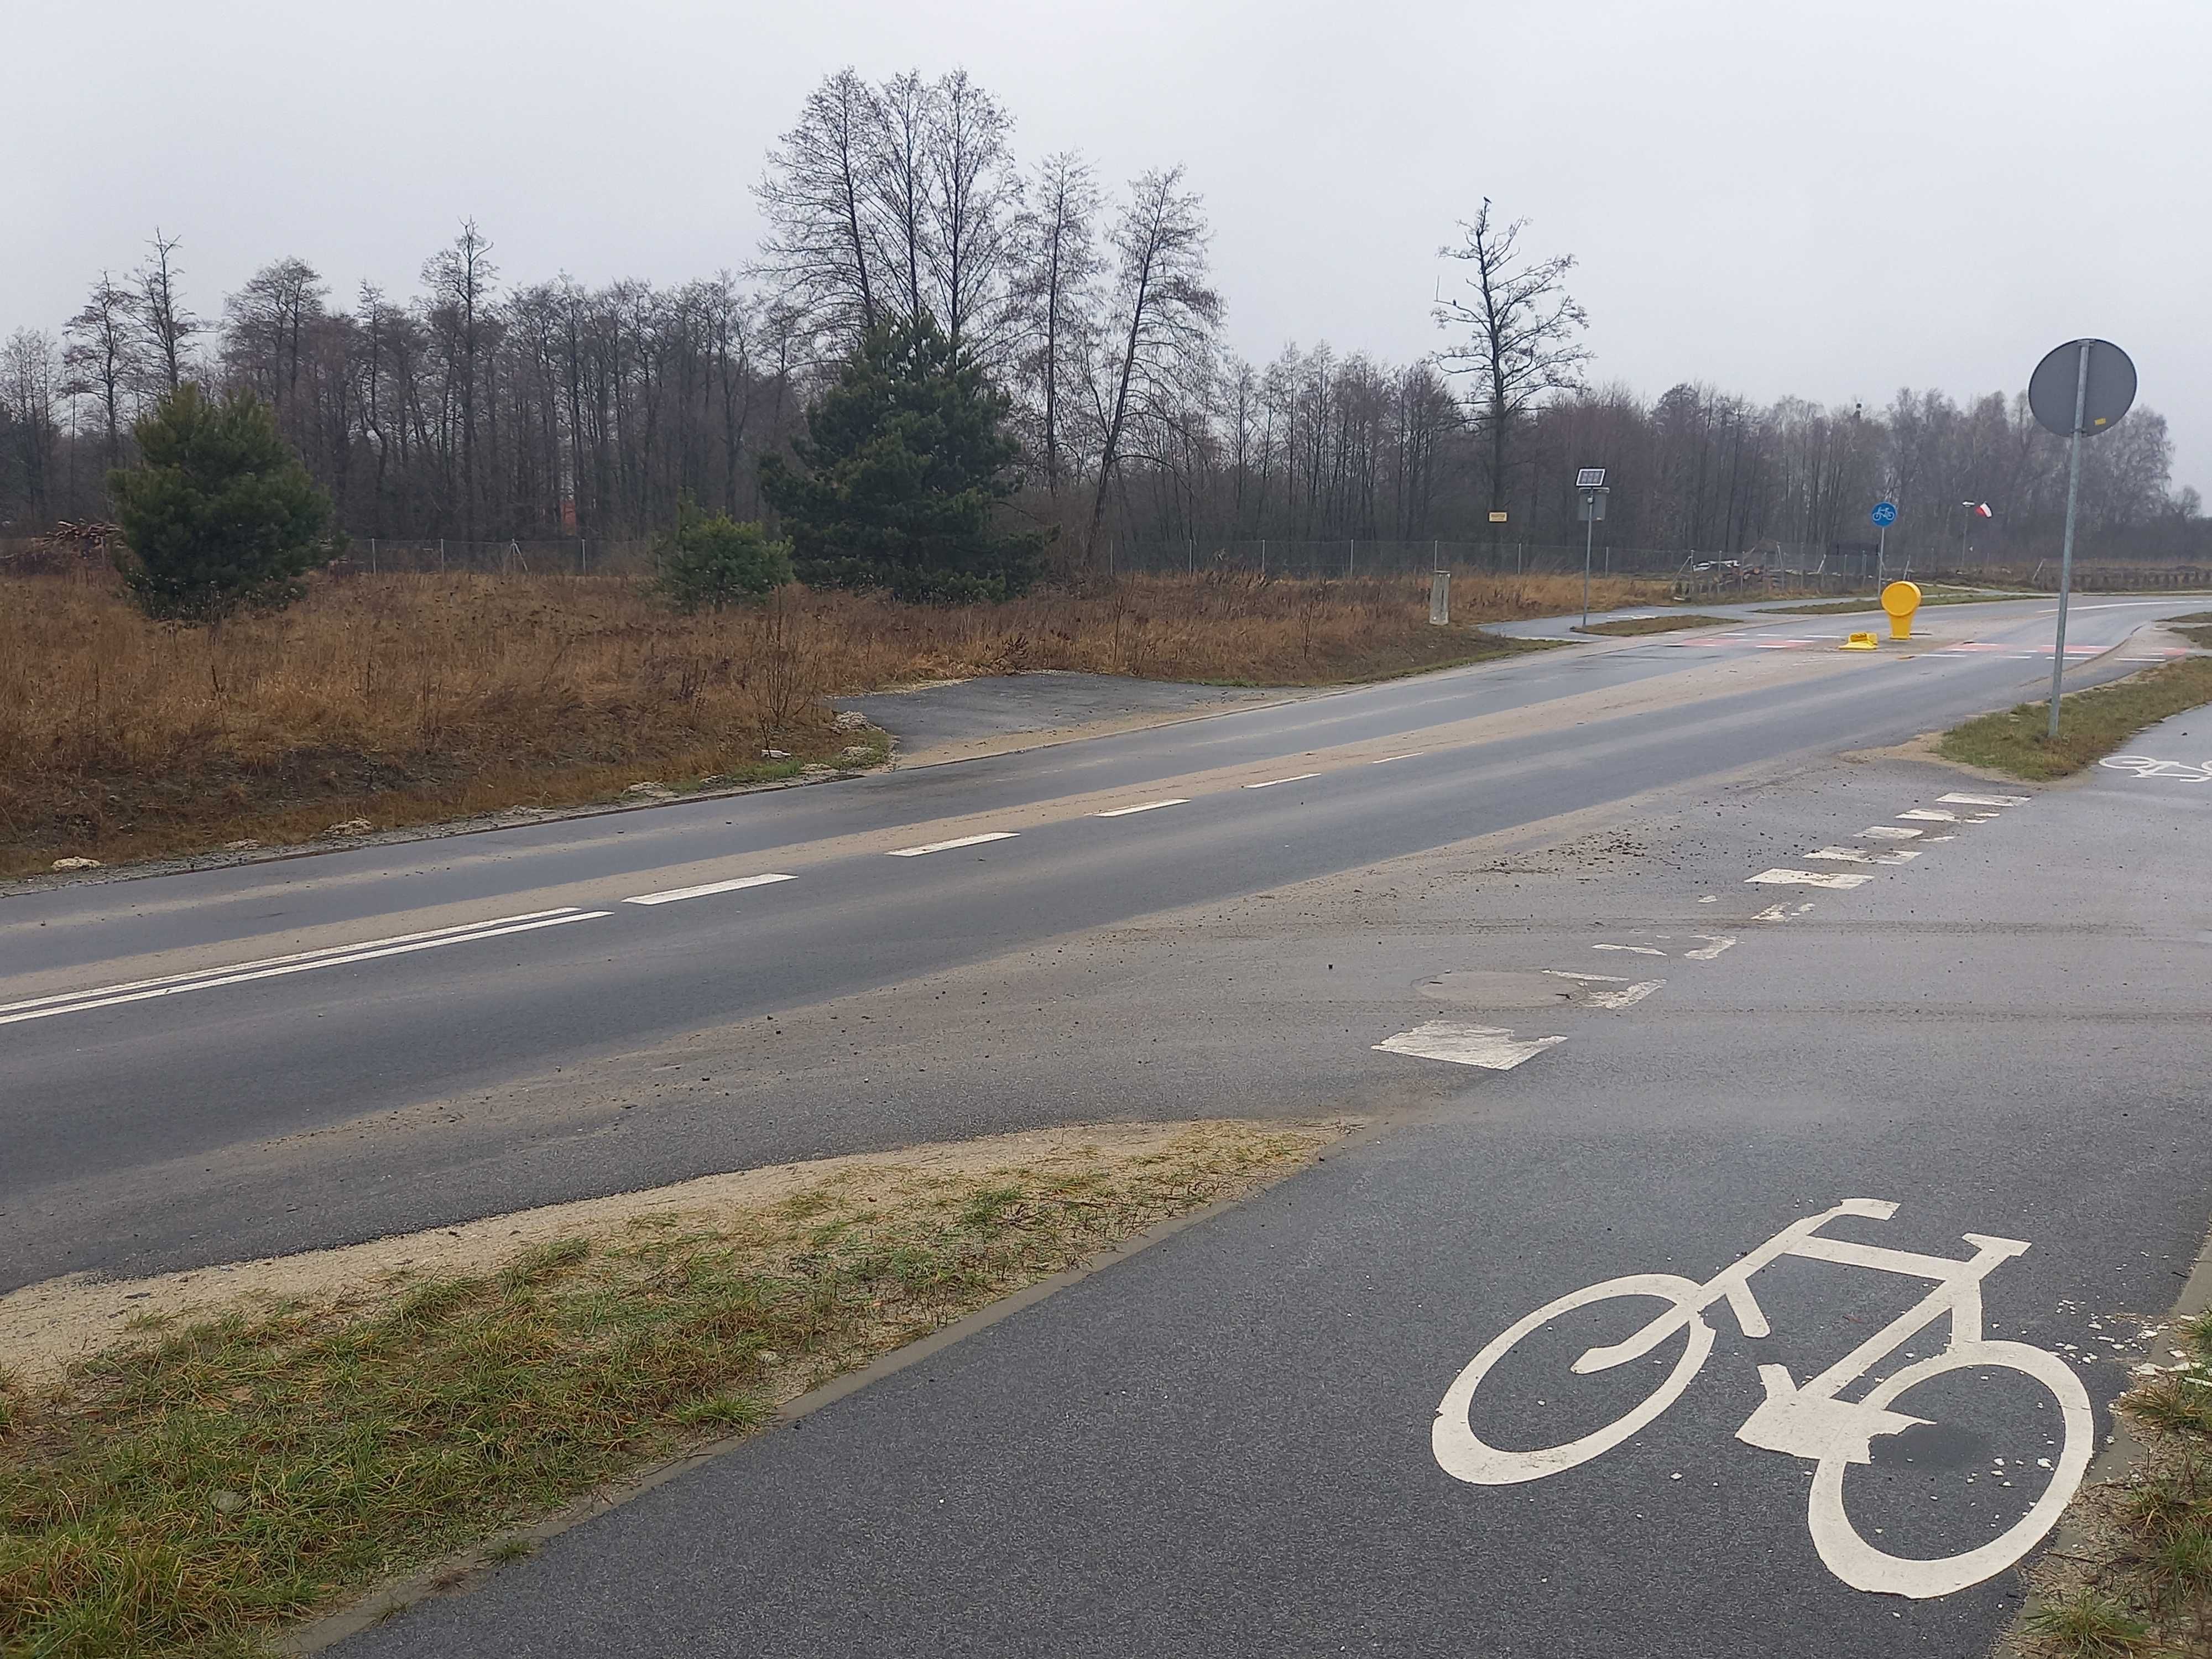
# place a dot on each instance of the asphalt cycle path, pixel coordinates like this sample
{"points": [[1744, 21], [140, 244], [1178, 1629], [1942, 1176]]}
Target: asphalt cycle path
{"points": [[150, 1028], [1869, 1193]]}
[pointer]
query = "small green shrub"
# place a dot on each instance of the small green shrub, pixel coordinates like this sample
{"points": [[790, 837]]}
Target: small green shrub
{"points": [[711, 563]]}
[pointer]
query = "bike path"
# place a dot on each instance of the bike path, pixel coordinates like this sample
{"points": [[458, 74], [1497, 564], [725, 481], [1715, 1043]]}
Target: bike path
{"points": [[1224, 1445]]}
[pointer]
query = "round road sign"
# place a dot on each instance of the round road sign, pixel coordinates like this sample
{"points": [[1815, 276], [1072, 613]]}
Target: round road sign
{"points": [[1885, 514], [2106, 394]]}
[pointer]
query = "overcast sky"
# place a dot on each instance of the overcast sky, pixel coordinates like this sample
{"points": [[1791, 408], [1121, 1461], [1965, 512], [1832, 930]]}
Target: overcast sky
{"points": [[1802, 196]]}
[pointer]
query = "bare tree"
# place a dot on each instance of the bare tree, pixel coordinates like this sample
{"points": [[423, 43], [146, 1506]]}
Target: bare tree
{"points": [[899, 184], [1163, 318], [102, 357], [1521, 343], [265, 328], [29, 378], [822, 247], [1059, 272], [167, 328], [460, 279], [973, 195]]}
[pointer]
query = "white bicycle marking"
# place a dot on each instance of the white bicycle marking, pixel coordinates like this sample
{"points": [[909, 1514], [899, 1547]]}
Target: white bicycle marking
{"points": [[1808, 1419], [2145, 766]]}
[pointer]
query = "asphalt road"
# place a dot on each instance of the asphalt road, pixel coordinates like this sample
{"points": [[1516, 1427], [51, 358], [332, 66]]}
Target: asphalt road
{"points": [[271, 1057], [1226, 1444]]}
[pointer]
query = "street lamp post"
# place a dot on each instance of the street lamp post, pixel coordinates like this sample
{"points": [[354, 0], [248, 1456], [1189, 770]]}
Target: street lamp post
{"points": [[1591, 480]]}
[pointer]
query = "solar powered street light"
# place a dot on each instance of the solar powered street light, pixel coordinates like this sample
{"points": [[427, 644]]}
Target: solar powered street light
{"points": [[1591, 482]]}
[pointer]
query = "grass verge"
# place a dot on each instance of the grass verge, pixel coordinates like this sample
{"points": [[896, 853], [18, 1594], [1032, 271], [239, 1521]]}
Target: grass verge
{"points": [[2092, 724], [1845, 607], [1666, 624], [2138, 1582], [2196, 628], [404, 700], [194, 1493]]}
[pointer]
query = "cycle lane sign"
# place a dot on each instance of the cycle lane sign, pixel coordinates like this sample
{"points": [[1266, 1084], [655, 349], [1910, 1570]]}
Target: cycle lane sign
{"points": [[1809, 1419]]}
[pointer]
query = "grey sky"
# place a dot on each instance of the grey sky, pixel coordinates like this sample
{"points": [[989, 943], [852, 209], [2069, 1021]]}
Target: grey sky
{"points": [[1825, 199]]}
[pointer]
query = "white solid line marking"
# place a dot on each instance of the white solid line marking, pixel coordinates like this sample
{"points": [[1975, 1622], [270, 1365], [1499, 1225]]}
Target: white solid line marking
{"points": [[1411, 754], [1984, 800], [1715, 943], [947, 846], [1809, 878], [279, 962], [1272, 782], [1149, 806], [1888, 832], [675, 893], [1490, 1046], [98, 1002], [1852, 855]]}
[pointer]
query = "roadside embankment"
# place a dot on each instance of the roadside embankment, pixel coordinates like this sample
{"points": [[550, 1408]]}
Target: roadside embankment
{"points": [[378, 702], [2092, 724], [249, 1446]]}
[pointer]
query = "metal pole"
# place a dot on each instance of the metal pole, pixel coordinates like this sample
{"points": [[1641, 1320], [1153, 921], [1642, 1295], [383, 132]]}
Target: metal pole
{"points": [[1590, 535], [1351, 549], [1881, 556], [2066, 549]]}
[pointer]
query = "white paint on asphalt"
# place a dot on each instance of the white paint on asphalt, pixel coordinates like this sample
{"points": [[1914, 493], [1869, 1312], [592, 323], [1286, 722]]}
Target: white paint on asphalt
{"points": [[949, 845], [1411, 754], [1715, 943], [1148, 806], [1959, 798], [1634, 950], [1272, 782], [1841, 879], [1852, 855], [1627, 996], [275, 967], [1809, 1419], [1773, 913], [2145, 766], [1927, 815], [674, 894], [1492, 1047], [1888, 832]]}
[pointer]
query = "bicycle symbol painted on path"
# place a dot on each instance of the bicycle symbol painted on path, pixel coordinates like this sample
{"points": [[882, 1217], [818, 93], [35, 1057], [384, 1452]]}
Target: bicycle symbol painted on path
{"points": [[2146, 766], [1808, 1419]]}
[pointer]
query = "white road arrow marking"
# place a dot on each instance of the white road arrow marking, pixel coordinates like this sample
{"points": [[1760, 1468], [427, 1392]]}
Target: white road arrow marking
{"points": [[1490, 1046]]}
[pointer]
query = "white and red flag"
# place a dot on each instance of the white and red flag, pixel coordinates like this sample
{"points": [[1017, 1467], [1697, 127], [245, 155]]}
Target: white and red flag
{"points": [[1982, 510]]}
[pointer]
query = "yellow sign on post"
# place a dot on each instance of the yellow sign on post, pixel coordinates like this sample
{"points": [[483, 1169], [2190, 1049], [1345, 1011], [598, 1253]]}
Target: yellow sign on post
{"points": [[1900, 600]]}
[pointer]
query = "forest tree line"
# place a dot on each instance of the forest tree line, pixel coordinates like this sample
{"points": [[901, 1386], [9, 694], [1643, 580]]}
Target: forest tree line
{"points": [[483, 408]]}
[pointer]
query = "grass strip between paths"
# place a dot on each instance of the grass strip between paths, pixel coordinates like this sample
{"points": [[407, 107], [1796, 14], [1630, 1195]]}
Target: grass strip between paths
{"points": [[198, 1488], [1666, 624], [2092, 724], [1845, 607], [2138, 1582]]}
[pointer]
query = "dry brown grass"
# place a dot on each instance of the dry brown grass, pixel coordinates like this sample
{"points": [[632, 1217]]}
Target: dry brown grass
{"points": [[407, 699]]}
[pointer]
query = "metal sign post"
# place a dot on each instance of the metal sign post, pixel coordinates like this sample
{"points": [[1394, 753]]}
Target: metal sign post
{"points": [[1884, 516], [1590, 480], [2078, 390]]}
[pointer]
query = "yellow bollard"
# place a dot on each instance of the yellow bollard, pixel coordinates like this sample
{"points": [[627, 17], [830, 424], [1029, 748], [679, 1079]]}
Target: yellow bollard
{"points": [[1900, 600], [1861, 642]]}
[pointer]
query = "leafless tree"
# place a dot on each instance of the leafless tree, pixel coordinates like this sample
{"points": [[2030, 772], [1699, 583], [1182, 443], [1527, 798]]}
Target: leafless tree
{"points": [[103, 359], [1521, 326], [899, 184], [1163, 316], [460, 278], [822, 247], [167, 327], [30, 384], [975, 195], [1057, 292]]}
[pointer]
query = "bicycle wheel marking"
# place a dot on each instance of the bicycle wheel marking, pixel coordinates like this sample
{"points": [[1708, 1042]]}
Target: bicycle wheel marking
{"points": [[1811, 1420]]}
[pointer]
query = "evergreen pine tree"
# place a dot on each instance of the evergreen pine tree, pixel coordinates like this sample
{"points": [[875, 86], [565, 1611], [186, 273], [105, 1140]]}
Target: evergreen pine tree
{"points": [[219, 513], [904, 466]]}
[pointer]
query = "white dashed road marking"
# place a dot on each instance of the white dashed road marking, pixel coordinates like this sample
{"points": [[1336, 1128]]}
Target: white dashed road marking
{"points": [[1626, 996], [1958, 800], [1927, 815], [710, 888], [1852, 855], [1411, 754], [1490, 1046], [1889, 832], [948, 846], [1148, 806], [1272, 782], [1809, 878], [1636, 950], [1715, 943]]}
